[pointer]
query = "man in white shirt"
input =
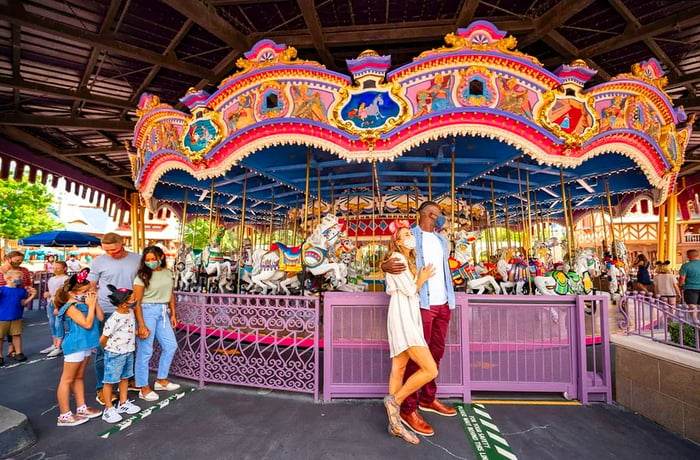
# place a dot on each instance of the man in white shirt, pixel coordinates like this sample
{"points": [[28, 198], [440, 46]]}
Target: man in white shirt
{"points": [[73, 264], [437, 300]]}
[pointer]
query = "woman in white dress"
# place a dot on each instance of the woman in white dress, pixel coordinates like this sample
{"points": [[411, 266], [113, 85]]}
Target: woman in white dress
{"points": [[405, 328]]}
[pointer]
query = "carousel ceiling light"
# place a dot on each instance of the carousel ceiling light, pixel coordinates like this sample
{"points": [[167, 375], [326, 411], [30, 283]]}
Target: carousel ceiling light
{"points": [[549, 192], [585, 186], [203, 195]]}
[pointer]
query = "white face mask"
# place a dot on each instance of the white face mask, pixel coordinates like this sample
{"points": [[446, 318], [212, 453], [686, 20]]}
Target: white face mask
{"points": [[409, 243]]}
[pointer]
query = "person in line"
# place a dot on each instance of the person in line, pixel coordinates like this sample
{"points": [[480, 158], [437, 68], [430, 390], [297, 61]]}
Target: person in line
{"points": [[13, 261], [644, 282], [666, 284], [53, 284], [78, 307], [116, 267], [405, 328], [437, 300], [73, 264], [48, 264], [13, 299], [156, 318], [689, 281], [119, 342]]}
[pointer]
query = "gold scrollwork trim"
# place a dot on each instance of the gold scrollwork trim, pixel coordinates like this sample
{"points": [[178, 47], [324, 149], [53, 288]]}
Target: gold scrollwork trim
{"points": [[215, 118], [549, 98]]}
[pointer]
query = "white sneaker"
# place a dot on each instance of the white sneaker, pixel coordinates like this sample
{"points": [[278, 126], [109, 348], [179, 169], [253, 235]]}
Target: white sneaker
{"points": [[111, 415], [128, 407], [152, 396], [169, 387], [71, 420], [47, 350], [55, 352]]}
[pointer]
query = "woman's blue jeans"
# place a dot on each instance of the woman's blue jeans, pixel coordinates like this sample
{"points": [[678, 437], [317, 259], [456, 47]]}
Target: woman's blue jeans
{"points": [[156, 319], [54, 322]]}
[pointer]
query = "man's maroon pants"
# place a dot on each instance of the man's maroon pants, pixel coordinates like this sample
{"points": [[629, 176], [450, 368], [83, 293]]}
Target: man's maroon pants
{"points": [[435, 323]]}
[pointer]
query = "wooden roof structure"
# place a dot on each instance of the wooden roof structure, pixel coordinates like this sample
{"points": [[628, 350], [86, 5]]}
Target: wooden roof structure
{"points": [[72, 71]]}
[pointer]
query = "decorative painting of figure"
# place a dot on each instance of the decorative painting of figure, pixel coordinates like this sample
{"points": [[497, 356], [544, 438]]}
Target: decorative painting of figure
{"points": [[613, 117], [242, 116], [570, 115], [308, 103], [436, 97], [370, 109], [514, 97]]}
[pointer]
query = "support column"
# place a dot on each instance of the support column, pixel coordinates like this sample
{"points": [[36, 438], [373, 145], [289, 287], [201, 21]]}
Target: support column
{"points": [[661, 234], [672, 229], [136, 215]]}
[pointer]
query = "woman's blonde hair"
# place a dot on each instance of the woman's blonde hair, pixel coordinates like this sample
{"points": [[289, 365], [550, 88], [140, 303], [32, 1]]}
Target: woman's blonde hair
{"points": [[394, 247]]}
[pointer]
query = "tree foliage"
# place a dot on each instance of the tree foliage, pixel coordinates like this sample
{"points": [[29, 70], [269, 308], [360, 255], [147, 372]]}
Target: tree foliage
{"points": [[25, 209]]}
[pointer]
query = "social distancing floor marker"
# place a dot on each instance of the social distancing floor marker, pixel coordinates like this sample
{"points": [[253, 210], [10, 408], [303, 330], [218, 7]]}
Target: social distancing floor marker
{"points": [[483, 434], [123, 425], [526, 402]]}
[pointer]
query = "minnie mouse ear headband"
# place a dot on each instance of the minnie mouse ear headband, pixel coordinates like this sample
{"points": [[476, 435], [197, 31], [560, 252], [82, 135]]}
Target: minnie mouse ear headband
{"points": [[666, 262], [397, 224], [118, 295], [78, 278]]}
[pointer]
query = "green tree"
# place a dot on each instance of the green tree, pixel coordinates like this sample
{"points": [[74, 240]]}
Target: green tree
{"points": [[25, 209], [197, 233]]}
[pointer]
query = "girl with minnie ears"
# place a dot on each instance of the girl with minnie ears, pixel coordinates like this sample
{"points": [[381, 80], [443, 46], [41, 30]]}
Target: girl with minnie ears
{"points": [[77, 306]]}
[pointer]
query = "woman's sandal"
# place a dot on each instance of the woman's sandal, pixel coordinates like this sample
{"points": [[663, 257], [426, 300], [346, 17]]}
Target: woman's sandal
{"points": [[400, 431], [392, 409]]}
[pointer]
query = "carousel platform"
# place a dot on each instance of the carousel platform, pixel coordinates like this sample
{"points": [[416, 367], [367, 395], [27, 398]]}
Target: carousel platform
{"points": [[225, 422]]}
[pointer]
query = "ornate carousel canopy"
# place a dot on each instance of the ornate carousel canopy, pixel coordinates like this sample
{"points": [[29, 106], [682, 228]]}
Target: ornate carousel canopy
{"points": [[475, 116]]}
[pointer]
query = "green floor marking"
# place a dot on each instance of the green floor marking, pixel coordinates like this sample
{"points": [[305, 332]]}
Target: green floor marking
{"points": [[484, 435], [123, 425]]}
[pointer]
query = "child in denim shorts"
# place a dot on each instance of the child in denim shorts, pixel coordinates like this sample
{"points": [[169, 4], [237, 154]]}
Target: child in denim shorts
{"points": [[119, 342]]}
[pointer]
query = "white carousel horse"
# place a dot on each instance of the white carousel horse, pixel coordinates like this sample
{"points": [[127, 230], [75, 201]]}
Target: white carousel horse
{"points": [[463, 270], [225, 279], [266, 274], [213, 260], [185, 268], [245, 268], [345, 252], [514, 271]]}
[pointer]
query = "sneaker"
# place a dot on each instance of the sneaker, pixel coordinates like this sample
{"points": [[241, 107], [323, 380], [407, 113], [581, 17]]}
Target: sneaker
{"points": [[128, 407], [100, 401], [47, 350], [89, 412], [19, 357], [169, 387], [111, 415], [152, 396], [53, 353], [70, 420]]}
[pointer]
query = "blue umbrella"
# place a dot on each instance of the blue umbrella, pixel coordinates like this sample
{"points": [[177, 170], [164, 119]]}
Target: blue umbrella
{"points": [[60, 238]]}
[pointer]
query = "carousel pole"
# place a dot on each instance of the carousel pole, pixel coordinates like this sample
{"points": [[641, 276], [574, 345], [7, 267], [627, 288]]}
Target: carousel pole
{"points": [[134, 217], [672, 227], [430, 184], [357, 220], [296, 222], [605, 229], [241, 230], [661, 234], [211, 208], [184, 219], [610, 211], [507, 220], [569, 230], [452, 198], [272, 216], [574, 242], [529, 208], [494, 220], [306, 194], [318, 191], [524, 236]]}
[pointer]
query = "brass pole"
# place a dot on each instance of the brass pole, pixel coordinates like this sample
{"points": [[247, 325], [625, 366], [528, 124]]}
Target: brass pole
{"points": [[296, 222], [494, 220], [452, 207], [211, 208], [430, 184], [529, 209], [566, 215], [184, 219], [241, 232], [507, 221], [306, 194], [272, 216], [318, 190], [610, 211], [524, 237]]}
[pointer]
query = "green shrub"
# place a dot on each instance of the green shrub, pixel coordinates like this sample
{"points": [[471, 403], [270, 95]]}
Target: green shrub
{"points": [[688, 334]]}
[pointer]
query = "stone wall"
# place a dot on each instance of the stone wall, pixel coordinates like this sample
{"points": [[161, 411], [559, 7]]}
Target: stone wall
{"points": [[658, 381]]}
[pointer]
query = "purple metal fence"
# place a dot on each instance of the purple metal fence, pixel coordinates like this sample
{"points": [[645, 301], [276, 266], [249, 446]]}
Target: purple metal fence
{"points": [[514, 343], [258, 341]]}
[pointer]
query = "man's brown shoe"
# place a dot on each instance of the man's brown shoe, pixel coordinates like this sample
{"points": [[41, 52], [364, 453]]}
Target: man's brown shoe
{"points": [[439, 408], [415, 422]]}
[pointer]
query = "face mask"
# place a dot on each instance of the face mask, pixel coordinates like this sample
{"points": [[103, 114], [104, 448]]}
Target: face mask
{"points": [[17, 282], [131, 304], [152, 265], [440, 222], [409, 243], [15, 264], [80, 297]]}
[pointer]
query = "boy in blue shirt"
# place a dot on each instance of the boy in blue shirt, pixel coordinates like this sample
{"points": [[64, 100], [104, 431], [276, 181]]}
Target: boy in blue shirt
{"points": [[13, 299]]}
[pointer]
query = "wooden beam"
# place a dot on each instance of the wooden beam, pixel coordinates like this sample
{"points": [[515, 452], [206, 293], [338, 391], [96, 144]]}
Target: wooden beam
{"points": [[89, 151], [631, 34], [64, 93], [684, 80], [466, 13], [404, 32], [18, 135], [35, 22], [206, 16], [569, 52], [21, 119], [688, 103], [308, 10], [16, 58], [553, 18]]}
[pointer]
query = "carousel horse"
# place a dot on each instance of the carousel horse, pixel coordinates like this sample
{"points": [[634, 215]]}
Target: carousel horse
{"points": [[514, 271], [346, 252], [465, 273], [577, 280], [245, 267], [185, 268], [266, 274], [213, 260]]}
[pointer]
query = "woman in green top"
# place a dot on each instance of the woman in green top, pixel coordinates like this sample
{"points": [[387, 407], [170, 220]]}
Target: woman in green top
{"points": [[155, 318]]}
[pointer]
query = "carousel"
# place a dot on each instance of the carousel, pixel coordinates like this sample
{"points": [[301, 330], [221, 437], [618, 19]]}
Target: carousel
{"points": [[301, 170]]}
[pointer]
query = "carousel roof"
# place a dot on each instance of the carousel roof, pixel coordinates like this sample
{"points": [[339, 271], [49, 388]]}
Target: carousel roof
{"points": [[73, 72]]}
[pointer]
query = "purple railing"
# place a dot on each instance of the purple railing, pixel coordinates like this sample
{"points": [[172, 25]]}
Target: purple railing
{"points": [[513, 343], [651, 316], [247, 340]]}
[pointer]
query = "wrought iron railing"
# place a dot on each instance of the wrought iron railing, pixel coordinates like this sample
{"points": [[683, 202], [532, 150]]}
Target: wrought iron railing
{"points": [[651, 316]]}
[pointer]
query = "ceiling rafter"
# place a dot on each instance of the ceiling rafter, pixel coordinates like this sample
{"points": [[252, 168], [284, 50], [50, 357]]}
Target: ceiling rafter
{"points": [[207, 17], [16, 57], [553, 18], [21, 136], [89, 151], [466, 13], [96, 52], [21, 119], [568, 50], [63, 93], [312, 22], [18, 16]]}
